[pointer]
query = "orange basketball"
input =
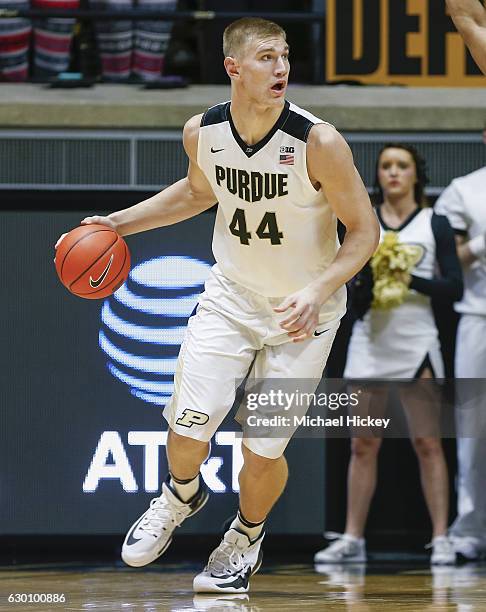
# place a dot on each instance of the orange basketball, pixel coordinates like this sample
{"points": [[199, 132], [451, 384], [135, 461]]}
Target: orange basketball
{"points": [[92, 261]]}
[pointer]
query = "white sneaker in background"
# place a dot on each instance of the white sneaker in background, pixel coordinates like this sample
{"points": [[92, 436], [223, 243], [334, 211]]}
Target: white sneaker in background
{"points": [[443, 552], [345, 549]]}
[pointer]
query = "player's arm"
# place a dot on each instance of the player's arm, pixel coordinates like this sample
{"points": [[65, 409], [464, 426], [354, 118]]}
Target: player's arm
{"points": [[469, 17], [182, 200], [330, 164]]}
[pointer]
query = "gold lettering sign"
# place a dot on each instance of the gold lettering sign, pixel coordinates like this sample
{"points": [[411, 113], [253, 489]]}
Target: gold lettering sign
{"points": [[397, 42]]}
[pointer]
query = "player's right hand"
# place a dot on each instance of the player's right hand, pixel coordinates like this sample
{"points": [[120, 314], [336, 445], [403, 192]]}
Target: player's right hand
{"points": [[98, 219], [89, 221]]}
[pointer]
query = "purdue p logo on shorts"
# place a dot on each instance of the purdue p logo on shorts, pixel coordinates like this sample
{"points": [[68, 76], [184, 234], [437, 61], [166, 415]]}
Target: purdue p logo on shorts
{"points": [[192, 417]]}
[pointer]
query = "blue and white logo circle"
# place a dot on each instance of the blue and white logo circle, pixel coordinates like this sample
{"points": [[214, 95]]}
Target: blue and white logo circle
{"points": [[143, 323]]}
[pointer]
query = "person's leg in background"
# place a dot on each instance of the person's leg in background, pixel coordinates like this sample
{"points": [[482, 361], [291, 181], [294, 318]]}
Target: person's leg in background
{"points": [[14, 44], [361, 486], [469, 528], [115, 41], [53, 38], [422, 404], [151, 41]]}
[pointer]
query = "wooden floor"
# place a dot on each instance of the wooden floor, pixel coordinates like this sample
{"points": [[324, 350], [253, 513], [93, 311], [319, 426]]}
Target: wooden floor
{"points": [[280, 588]]}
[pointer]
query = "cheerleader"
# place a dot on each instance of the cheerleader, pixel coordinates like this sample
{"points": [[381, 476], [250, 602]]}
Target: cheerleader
{"points": [[402, 342]]}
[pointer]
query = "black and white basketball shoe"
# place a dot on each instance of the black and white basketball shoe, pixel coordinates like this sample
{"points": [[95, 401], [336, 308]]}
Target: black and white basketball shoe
{"points": [[151, 534], [231, 564]]}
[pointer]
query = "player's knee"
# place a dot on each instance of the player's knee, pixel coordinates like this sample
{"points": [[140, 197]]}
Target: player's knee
{"points": [[257, 465], [364, 448], [428, 448], [185, 445]]}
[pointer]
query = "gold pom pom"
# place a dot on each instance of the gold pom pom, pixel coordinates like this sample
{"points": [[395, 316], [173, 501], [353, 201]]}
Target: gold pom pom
{"points": [[391, 265]]}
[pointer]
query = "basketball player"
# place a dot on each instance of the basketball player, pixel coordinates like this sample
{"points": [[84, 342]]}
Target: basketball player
{"points": [[275, 296], [469, 17], [463, 203]]}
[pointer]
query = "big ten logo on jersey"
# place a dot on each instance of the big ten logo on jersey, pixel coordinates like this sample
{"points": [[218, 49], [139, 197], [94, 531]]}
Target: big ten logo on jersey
{"points": [[135, 464], [252, 186]]}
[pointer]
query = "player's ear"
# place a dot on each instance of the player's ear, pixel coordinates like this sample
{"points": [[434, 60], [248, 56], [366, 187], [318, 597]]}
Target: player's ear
{"points": [[232, 67]]}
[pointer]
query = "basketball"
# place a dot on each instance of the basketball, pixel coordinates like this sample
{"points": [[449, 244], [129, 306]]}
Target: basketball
{"points": [[92, 261]]}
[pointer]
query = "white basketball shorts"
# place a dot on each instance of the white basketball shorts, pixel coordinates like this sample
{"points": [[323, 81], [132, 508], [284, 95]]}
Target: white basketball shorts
{"points": [[233, 330]]}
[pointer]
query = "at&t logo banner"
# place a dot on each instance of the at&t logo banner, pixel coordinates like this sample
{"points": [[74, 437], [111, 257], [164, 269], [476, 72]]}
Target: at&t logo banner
{"points": [[143, 323]]}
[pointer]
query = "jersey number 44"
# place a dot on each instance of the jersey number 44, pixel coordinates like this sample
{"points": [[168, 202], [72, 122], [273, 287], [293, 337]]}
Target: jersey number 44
{"points": [[267, 229]]}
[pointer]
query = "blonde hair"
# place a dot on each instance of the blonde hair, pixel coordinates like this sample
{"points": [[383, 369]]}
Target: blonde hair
{"points": [[239, 33]]}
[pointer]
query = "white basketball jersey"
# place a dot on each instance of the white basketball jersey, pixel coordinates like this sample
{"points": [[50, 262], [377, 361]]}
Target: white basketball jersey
{"points": [[464, 203], [274, 233]]}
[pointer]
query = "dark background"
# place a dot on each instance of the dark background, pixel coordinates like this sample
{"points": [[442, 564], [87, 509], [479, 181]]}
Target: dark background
{"points": [[58, 397]]}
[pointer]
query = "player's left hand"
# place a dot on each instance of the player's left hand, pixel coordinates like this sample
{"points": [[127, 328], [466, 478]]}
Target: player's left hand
{"points": [[303, 318]]}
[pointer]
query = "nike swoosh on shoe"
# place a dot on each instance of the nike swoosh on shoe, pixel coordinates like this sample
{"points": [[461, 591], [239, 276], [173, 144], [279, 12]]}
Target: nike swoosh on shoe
{"points": [[131, 539], [241, 581]]}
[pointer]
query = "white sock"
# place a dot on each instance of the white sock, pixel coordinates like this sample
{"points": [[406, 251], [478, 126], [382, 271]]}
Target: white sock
{"points": [[252, 530], [348, 536], [185, 489]]}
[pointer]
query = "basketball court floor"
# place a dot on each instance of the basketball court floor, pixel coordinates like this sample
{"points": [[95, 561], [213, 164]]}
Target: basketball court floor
{"points": [[376, 587]]}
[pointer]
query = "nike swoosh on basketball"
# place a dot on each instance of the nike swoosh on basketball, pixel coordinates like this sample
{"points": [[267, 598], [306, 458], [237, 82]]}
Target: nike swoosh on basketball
{"points": [[317, 334], [216, 150], [96, 283]]}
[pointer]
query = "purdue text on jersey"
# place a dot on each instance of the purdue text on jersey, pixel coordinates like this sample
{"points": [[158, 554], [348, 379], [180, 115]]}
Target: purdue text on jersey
{"points": [[252, 186]]}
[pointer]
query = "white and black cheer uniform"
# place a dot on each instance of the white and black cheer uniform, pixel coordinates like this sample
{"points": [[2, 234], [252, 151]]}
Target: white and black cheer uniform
{"points": [[396, 343]]}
